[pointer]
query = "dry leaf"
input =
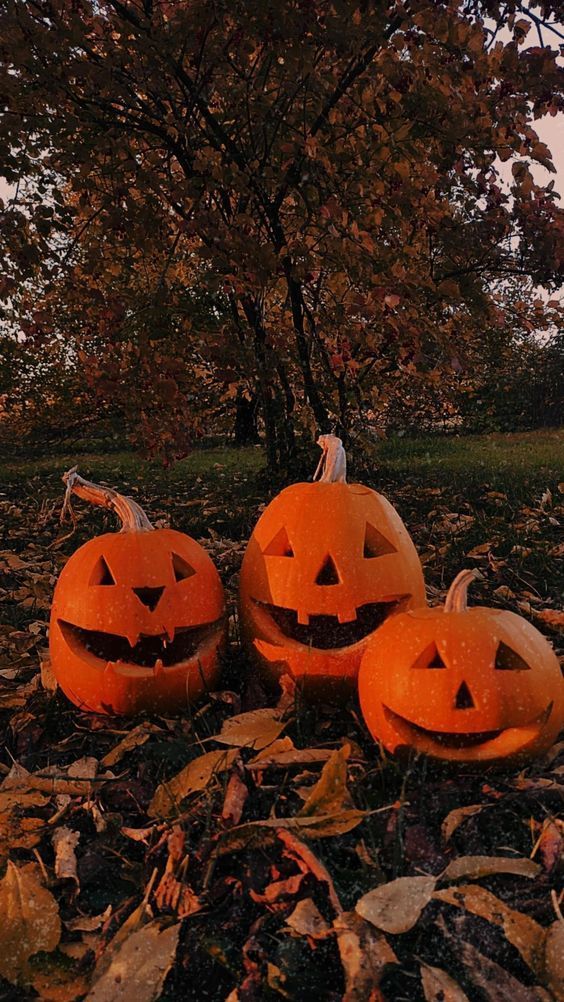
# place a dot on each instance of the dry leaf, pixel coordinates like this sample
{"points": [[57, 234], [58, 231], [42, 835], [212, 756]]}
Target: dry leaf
{"points": [[259, 833], [235, 798], [136, 737], [497, 984], [554, 617], [308, 862], [456, 817], [396, 906], [30, 921], [64, 843], [523, 932], [365, 953], [438, 986], [255, 729], [282, 753], [138, 969], [474, 867], [48, 680], [330, 793], [307, 920], [553, 966], [194, 777]]}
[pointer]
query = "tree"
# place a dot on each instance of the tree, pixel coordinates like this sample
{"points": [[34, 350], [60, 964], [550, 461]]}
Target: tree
{"points": [[331, 168]]}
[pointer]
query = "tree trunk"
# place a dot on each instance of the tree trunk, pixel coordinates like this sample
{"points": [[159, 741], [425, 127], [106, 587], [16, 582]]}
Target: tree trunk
{"points": [[245, 430]]}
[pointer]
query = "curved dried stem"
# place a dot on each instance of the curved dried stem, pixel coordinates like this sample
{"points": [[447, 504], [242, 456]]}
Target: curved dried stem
{"points": [[332, 467], [131, 515], [456, 600]]}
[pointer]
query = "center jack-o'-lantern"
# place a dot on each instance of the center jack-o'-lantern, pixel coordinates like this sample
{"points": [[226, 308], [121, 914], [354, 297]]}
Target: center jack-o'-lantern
{"points": [[326, 564], [138, 615], [463, 684]]}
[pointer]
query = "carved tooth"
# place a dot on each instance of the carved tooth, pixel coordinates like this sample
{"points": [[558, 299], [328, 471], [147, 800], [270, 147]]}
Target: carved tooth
{"points": [[303, 617], [158, 667], [346, 615]]}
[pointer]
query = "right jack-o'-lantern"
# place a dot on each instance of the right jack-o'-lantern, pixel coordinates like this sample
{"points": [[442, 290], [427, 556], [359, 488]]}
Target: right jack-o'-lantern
{"points": [[463, 684]]}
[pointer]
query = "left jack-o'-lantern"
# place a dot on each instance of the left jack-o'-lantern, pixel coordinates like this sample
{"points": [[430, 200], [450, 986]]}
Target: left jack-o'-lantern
{"points": [[138, 615]]}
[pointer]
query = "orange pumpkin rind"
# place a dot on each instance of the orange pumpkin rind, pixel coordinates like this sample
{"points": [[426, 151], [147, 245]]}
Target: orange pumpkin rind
{"points": [[138, 620], [466, 685], [326, 563]]}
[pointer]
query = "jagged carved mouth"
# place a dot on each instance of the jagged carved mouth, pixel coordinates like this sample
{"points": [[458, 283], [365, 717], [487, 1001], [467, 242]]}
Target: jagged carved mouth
{"points": [[146, 652], [326, 632]]}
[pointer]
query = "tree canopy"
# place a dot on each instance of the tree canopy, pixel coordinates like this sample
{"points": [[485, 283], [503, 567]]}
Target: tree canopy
{"points": [[297, 202]]}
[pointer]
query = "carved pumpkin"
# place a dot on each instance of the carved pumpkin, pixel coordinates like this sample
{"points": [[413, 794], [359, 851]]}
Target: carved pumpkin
{"points": [[138, 615], [465, 684], [326, 564]]}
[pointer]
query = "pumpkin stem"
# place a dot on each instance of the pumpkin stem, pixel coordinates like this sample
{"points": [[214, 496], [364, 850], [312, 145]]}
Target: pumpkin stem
{"points": [[132, 516], [332, 467], [458, 591]]}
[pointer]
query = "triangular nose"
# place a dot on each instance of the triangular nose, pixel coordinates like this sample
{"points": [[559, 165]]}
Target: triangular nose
{"points": [[328, 574], [463, 699], [149, 596]]}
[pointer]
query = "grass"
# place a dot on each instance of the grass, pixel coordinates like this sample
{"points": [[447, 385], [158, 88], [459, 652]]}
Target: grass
{"points": [[535, 454]]}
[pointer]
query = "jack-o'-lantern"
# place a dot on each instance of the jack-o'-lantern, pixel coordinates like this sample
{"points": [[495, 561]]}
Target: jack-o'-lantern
{"points": [[138, 615], [326, 564], [476, 684]]}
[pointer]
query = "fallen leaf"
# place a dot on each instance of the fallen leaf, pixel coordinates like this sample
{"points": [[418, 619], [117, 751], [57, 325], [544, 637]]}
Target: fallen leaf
{"points": [[457, 816], [64, 843], [255, 729], [282, 753], [479, 551], [194, 777], [554, 617], [136, 737], [307, 920], [257, 833], [235, 798], [365, 953], [553, 965], [497, 984], [308, 862], [48, 680], [523, 932], [330, 794], [474, 867], [438, 986], [279, 889], [30, 921], [550, 843], [138, 969], [174, 895], [396, 906]]}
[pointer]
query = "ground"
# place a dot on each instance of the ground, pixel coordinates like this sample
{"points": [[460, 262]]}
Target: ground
{"points": [[236, 910]]}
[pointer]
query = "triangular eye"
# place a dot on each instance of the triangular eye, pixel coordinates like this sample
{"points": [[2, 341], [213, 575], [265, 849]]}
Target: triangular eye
{"points": [[430, 658], [463, 699], [375, 544], [507, 659], [328, 575], [280, 546], [181, 568], [101, 574]]}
